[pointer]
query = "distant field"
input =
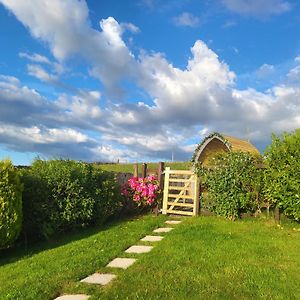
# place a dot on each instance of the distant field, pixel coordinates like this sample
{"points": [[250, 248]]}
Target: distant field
{"points": [[128, 168]]}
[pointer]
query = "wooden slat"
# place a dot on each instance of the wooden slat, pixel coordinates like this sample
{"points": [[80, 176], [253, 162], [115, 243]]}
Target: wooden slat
{"points": [[181, 204], [176, 188], [180, 196], [180, 212], [180, 172], [180, 180]]}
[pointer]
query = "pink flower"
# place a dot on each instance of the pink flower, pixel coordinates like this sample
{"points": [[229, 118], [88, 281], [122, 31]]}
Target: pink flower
{"points": [[137, 198]]}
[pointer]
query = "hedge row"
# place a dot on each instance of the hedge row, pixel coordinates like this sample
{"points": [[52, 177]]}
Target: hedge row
{"points": [[236, 183], [58, 196]]}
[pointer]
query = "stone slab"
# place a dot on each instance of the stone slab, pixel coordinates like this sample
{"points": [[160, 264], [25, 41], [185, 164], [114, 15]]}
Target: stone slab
{"points": [[98, 278], [163, 229], [139, 249], [122, 263], [173, 222], [73, 297], [152, 238]]}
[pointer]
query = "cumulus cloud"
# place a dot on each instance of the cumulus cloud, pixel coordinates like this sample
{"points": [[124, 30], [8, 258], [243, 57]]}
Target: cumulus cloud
{"points": [[258, 8], [69, 34], [187, 103], [186, 19]]}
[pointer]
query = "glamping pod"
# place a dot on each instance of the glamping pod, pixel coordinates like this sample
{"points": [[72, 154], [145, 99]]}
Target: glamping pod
{"points": [[217, 142]]}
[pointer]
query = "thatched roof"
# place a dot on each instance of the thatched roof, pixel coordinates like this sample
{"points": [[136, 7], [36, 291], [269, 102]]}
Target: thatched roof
{"points": [[217, 142]]}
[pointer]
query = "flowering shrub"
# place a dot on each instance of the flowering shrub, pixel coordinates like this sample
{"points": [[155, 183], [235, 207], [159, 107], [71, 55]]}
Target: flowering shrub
{"points": [[143, 191]]}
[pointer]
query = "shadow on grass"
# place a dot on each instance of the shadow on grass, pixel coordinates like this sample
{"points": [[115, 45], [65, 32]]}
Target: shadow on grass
{"points": [[12, 255]]}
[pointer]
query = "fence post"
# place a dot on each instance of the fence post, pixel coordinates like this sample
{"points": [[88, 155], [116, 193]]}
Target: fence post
{"points": [[136, 170], [166, 190], [144, 170], [161, 167]]}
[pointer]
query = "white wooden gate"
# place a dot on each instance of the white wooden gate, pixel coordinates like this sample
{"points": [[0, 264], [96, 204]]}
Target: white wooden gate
{"points": [[181, 192]]}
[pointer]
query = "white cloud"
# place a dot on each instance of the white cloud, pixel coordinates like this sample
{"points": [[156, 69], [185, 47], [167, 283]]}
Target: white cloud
{"points": [[35, 57], [294, 74], [186, 102], [131, 27], [186, 19], [265, 70], [40, 73], [297, 59], [70, 34], [258, 8]]}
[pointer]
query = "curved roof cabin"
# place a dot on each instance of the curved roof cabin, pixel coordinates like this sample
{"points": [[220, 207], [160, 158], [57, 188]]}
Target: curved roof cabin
{"points": [[217, 142]]}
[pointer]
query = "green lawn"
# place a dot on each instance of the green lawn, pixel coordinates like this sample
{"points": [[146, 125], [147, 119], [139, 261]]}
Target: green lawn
{"points": [[128, 168], [202, 258]]}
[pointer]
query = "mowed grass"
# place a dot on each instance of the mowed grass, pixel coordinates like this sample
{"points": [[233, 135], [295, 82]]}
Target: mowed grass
{"points": [[202, 258], [128, 168]]}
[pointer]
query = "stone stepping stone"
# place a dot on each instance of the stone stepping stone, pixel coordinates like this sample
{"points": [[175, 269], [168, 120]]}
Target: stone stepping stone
{"points": [[73, 297], [98, 278], [152, 238], [163, 229], [173, 222], [122, 263], [139, 249]]}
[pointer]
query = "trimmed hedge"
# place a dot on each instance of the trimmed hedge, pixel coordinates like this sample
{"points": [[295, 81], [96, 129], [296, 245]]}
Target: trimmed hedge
{"points": [[62, 195], [234, 184], [10, 204], [282, 187]]}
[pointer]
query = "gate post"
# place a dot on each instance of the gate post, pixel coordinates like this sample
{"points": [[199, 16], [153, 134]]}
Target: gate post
{"points": [[166, 190], [196, 196]]}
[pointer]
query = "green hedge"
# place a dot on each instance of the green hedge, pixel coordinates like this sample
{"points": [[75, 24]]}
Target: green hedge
{"points": [[10, 204], [233, 184], [282, 187], [62, 195]]}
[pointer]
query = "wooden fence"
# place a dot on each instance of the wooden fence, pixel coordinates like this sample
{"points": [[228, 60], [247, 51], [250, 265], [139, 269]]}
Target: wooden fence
{"points": [[181, 192]]}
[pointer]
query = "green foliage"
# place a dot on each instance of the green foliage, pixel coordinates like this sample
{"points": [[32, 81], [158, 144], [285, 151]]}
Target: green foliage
{"points": [[62, 195], [233, 182], [10, 204], [282, 187]]}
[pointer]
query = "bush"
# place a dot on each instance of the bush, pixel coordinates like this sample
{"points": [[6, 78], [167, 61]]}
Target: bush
{"points": [[62, 195], [233, 183], [10, 204], [282, 180]]}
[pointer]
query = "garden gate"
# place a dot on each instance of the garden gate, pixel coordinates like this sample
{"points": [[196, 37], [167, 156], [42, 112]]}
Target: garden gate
{"points": [[181, 192]]}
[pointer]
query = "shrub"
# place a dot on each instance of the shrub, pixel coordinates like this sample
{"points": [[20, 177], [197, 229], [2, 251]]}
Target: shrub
{"points": [[233, 183], [10, 204], [282, 180], [62, 195], [143, 191]]}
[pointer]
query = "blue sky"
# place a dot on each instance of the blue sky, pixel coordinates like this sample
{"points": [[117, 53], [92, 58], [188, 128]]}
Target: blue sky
{"points": [[137, 80]]}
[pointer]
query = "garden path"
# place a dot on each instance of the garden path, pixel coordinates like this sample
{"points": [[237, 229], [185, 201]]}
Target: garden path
{"points": [[121, 262]]}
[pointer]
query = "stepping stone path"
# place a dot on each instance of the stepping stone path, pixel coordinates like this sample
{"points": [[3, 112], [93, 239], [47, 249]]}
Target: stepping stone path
{"points": [[152, 238], [139, 249], [163, 229], [73, 297], [172, 222], [98, 278], [122, 263]]}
